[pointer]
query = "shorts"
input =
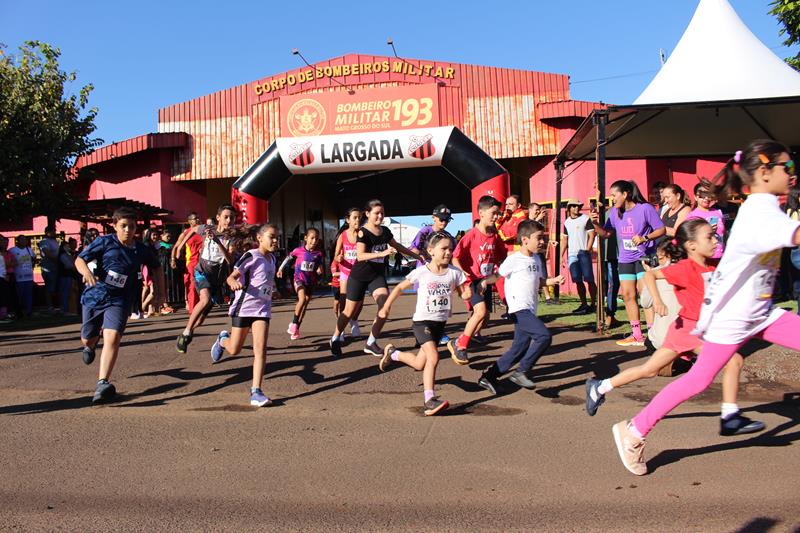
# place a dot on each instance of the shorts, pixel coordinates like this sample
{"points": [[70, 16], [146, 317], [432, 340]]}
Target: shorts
{"points": [[679, 337], [477, 297], [427, 331], [581, 269], [208, 281], [336, 292], [247, 321], [113, 317], [344, 275], [631, 271], [357, 289], [298, 284]]}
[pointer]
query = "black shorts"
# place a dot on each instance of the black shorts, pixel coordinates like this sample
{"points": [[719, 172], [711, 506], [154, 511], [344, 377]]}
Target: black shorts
{"points": [[336, 291], [427, 331], [477, 297], [357, 289], [246, 321], [631, 271]]}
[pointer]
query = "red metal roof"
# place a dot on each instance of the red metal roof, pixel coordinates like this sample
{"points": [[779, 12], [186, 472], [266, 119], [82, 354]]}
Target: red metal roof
{"points": [[149, 141], [567, 109]]}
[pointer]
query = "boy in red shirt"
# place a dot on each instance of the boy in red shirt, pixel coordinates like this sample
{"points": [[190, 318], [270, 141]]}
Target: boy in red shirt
{"points": [[478, 254]]}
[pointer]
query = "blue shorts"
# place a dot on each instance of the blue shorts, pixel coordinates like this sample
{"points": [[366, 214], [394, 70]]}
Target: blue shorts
{"points": [[112, 317], [581, 269]]}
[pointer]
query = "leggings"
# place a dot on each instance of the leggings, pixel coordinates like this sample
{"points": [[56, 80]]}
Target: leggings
{"points": [[711, 360]]}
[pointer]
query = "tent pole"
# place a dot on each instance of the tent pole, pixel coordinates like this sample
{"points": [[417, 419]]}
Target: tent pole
{"points": [[557, 208], [601, 119]]}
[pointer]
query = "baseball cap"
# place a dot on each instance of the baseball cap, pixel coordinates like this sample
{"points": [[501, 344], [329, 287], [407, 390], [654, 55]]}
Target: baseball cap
{"points": [[574, 202], [442, 212]]}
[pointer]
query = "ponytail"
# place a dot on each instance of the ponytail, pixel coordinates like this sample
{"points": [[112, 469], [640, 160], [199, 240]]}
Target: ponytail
{"points": [[675, 248], [740, 169]]}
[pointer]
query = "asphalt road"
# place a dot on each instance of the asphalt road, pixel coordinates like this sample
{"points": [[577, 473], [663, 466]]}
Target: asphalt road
{"points": [[347, 448]]}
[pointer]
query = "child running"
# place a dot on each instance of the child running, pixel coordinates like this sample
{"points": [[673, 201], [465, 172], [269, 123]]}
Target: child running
{"points": [[109, 292], [346, 252], [738, 300], [375, 244], [436, 282], [210, 272], [523, 273], [336, 288], [478, 253], [253, 279], [693, 246], [307, 270]]}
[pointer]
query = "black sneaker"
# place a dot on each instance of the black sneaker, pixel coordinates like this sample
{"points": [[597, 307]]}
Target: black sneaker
{"points": [[104, 392], [581, 310], [458, 355], [336, 347], [480, 339], [521, 379], [489, 384], [88, 355], [373, 349], [593, 398], [739, 424], [434, 405], [183, 342]]}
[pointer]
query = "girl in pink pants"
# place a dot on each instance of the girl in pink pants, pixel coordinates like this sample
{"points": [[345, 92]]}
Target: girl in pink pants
{"points": [[738, 299]]}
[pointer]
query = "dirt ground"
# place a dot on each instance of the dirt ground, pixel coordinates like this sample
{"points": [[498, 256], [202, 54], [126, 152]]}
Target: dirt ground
{"points": [[346, 448]]}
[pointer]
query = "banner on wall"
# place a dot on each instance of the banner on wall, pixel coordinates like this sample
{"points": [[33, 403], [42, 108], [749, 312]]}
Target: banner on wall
{"points": [[330, 113], [364, 151]]}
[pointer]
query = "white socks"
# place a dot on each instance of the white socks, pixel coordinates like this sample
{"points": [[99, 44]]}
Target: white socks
{"points": [[728, 410], [605, 386]]}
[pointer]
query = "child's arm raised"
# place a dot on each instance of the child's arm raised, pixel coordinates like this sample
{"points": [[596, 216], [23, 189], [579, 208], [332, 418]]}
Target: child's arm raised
{"points": [[289, 258], [398, 290], [650, 278]]}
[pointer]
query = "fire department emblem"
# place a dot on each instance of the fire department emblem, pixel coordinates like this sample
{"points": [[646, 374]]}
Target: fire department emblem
{"points": [[306, 118], [300, 154], [421, 147]]}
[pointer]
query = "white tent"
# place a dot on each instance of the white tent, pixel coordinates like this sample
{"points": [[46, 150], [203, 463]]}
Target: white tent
{"points": [[403, 233], [719, 58]]}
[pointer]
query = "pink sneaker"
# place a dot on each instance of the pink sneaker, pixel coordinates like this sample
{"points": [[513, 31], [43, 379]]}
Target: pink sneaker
{"points": [[292, 329], [630, 448], [296, 335]]}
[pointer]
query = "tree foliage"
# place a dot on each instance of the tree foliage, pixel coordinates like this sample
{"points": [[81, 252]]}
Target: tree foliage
{"points": [[43, 129], [788, 14]]}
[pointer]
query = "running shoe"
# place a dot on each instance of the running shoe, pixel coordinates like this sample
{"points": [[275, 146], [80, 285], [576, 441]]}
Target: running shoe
{"points": [[434, 405], [296, 335], [480, 339], [292, 329], [373, 349], [444, 340], [489, 383], [521, 379], [217, 351], [631, 341], [739, 424], [581, 310], [88, 355], [630, 448], [355, 331], [593, 397], [259, 399], [104, 392], [458, 355], [183, 342], [386, 358], [336, 347]]}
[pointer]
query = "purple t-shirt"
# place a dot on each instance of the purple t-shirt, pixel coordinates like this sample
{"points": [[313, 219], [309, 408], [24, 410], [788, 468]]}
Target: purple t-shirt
{"points": [[257, 275], [713, 216], [306, 264], [420, 242], [640, 220]]}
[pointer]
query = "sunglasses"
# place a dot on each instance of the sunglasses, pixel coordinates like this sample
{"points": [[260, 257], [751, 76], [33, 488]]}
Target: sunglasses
{"points": [[788, 166]]}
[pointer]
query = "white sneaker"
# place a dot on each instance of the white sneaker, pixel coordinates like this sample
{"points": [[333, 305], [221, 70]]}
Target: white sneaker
{"points": [[355, 331]]}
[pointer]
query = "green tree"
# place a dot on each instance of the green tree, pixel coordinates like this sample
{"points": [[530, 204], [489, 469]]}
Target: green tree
{"points": [[43, 129], [788, 14]]}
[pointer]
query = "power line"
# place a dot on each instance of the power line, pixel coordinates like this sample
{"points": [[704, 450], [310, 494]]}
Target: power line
{"points": [[632, 74]]}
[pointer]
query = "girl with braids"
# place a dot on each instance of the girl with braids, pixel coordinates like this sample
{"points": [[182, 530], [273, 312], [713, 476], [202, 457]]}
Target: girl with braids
{"points": [[690, 252], [737, 303], [635, 224]]}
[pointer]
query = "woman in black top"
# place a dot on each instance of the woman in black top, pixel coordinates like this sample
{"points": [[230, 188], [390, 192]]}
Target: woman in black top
{"points": [[375, 243], [675, 208]]}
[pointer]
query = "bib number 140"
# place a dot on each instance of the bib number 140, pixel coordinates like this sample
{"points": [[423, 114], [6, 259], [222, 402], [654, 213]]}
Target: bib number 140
{"points": [[436, 305]]}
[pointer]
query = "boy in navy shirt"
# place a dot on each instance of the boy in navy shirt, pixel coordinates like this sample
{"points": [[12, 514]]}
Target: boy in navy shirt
{"points": [[109, 292]]}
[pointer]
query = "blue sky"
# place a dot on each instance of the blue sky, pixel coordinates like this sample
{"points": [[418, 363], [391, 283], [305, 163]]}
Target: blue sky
{"points": [[144, 55]]}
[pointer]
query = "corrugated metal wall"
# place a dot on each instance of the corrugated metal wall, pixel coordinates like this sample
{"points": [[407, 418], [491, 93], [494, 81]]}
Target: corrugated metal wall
{"points": [[495, 107]]}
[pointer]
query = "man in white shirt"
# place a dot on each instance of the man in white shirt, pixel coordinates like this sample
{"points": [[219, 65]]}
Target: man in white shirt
{"points": [[576, 245], [23, 274]]}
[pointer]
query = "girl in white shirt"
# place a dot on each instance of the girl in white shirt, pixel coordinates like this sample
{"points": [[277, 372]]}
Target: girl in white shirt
{"points": [[738, 299], [436, 283]]}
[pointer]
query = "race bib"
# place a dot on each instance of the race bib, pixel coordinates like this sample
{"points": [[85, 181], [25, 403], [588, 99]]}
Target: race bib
{"points": [[487, 269], [377, 250], [438, 304], [116, 280], [627, 244], [351, 255], [266, 291], [763, 284], [307, 266]]}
